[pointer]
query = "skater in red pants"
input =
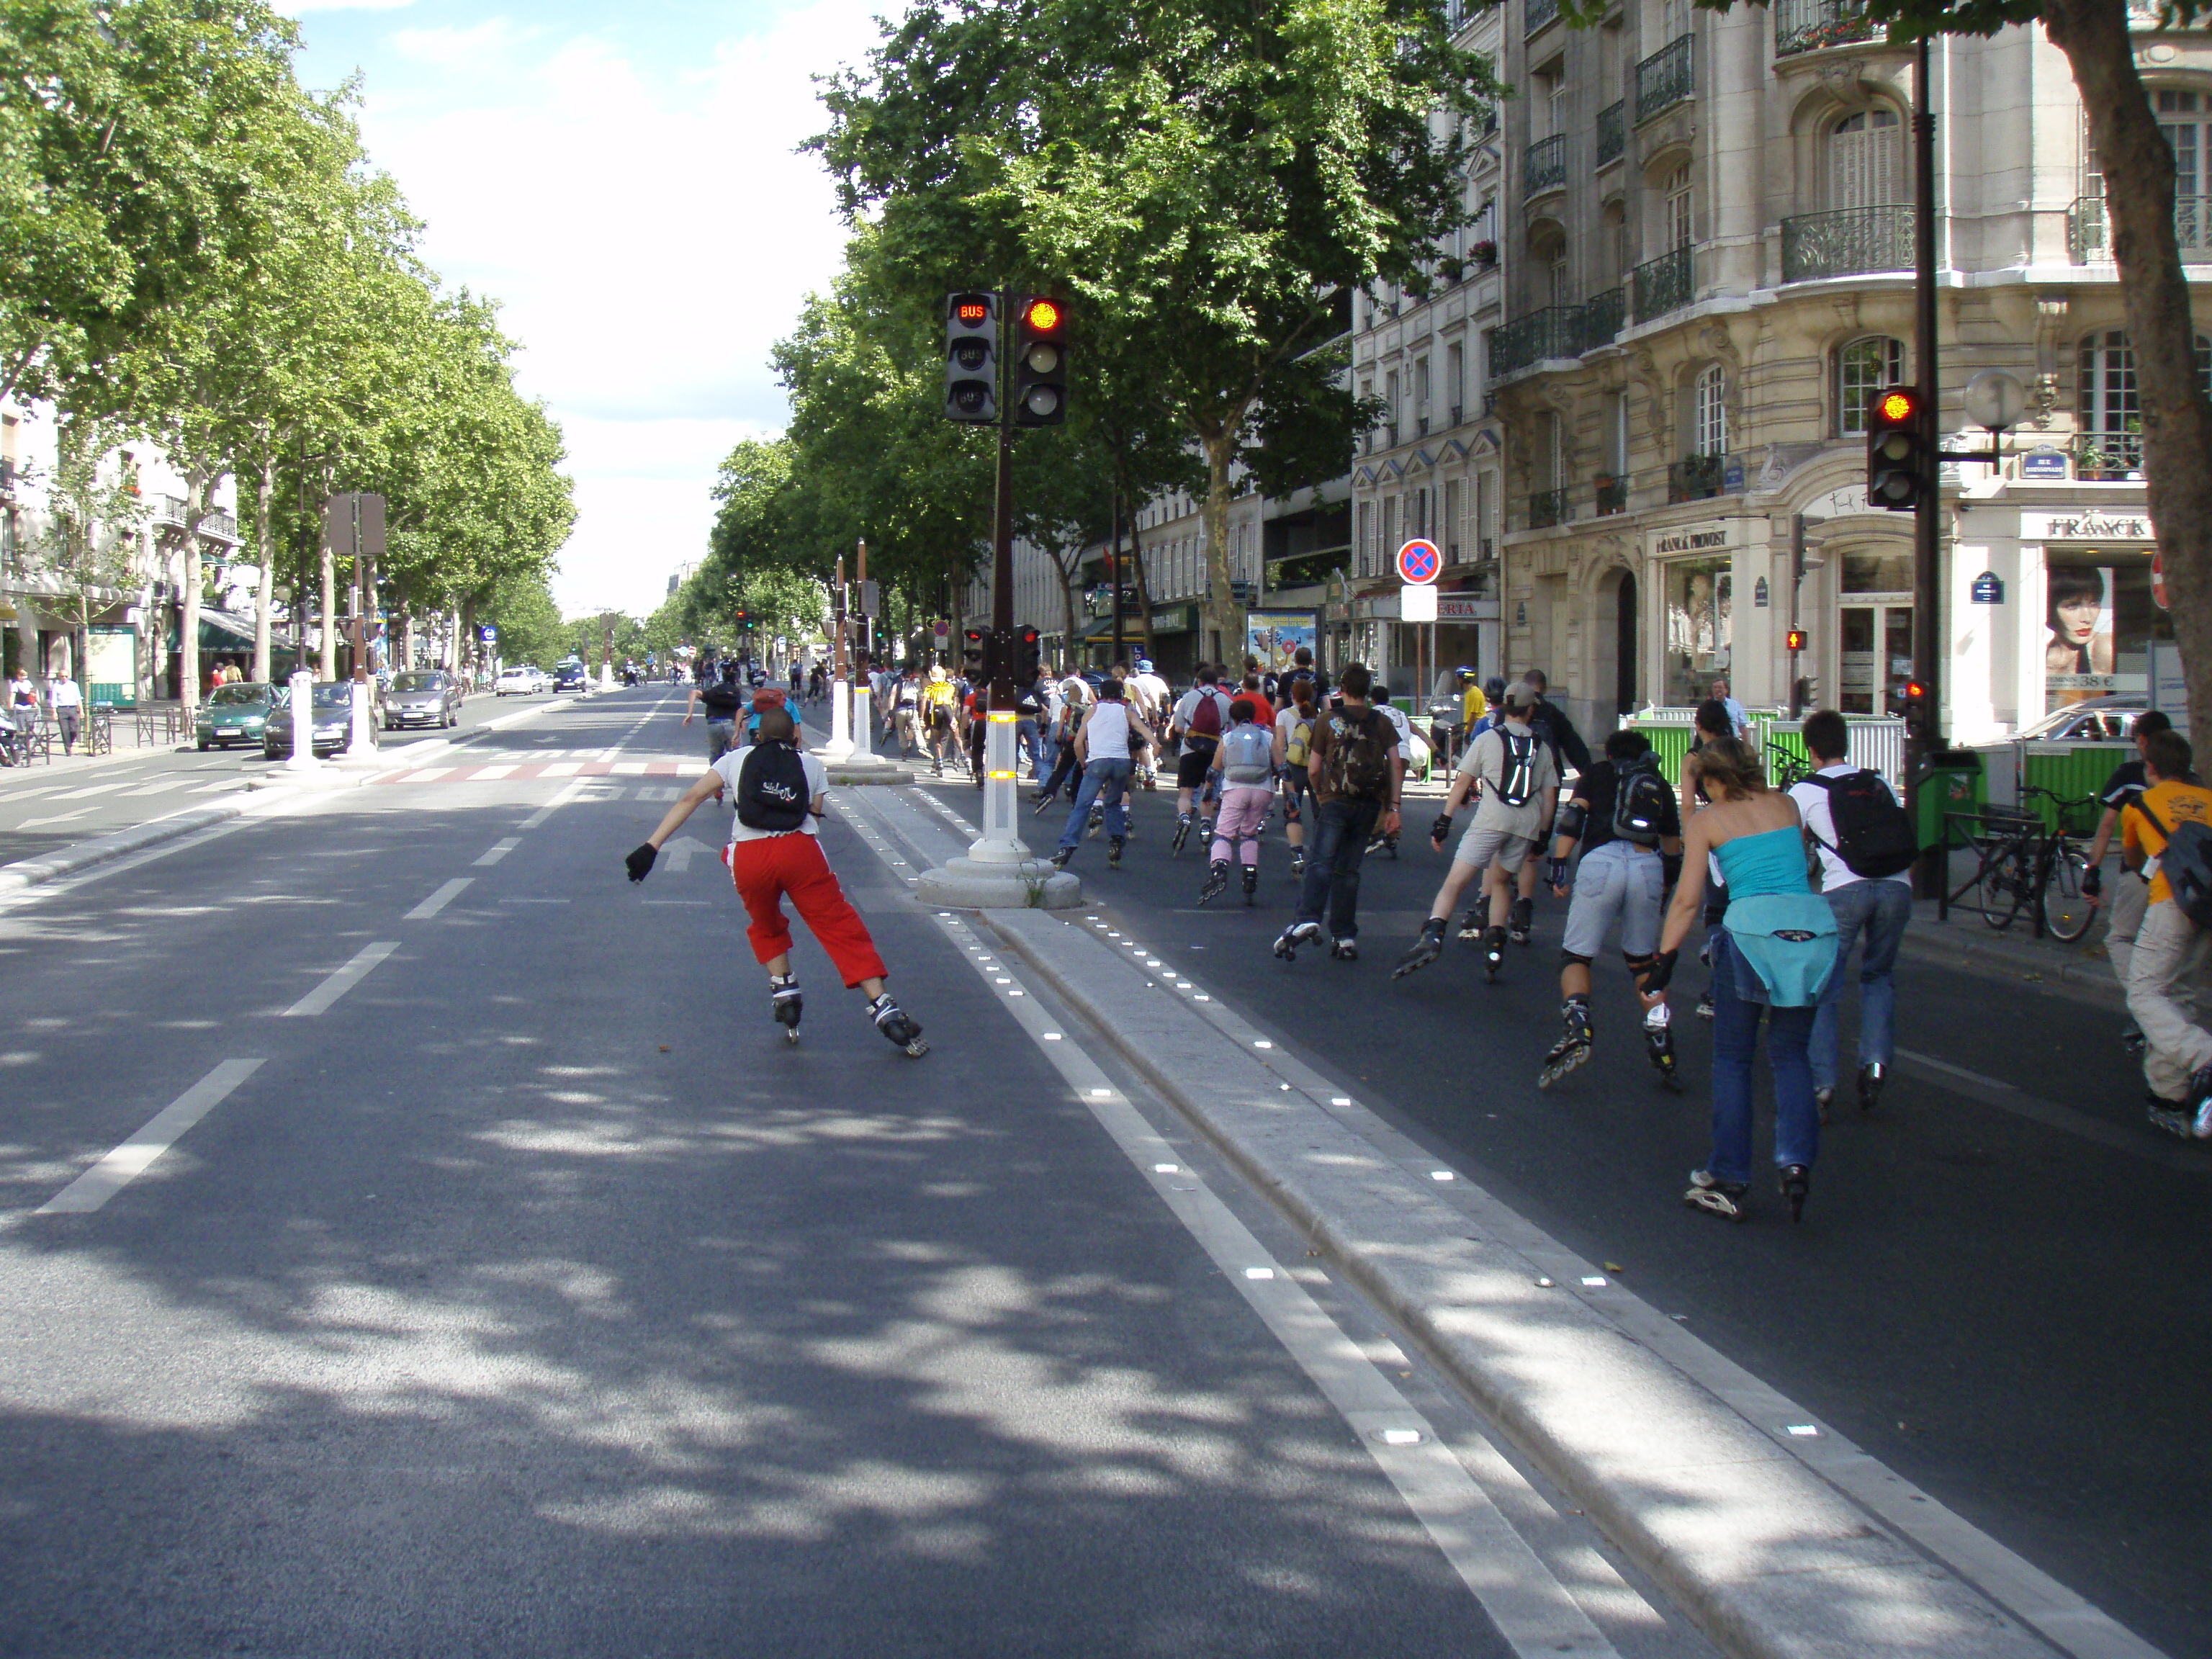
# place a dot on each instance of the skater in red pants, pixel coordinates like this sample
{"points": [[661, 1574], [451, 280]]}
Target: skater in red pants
{"points": [[775, 849]]}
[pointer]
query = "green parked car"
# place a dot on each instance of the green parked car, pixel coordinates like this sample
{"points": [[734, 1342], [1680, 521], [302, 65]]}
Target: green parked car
{"points": [[234, 714]]}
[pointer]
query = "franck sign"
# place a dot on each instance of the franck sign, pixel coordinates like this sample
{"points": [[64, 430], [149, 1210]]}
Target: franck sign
{"points": [[2086, 527], [1690, 541]]}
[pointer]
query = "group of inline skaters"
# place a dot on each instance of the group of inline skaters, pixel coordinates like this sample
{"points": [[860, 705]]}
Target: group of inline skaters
{"points": [[1714, 856]]}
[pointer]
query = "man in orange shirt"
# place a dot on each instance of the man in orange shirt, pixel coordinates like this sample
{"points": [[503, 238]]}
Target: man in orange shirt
{"points": [[2171, 950]]}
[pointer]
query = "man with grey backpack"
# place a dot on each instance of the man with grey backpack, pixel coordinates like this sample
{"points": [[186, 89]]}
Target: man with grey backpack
{"points": [[1244, 769]]}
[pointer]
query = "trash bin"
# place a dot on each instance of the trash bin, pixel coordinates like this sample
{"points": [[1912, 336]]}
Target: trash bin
{"points": [[1951, 781]]}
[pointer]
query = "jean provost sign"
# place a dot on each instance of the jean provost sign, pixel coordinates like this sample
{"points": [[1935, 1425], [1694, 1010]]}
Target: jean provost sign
{"points": [[2086, 527], [1691, 541]]}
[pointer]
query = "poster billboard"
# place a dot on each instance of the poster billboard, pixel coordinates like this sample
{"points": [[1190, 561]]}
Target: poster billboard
{"points": [[1273, 635]]}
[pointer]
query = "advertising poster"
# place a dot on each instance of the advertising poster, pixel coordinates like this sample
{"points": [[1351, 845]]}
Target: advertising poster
{"points": [[1273, 635]]}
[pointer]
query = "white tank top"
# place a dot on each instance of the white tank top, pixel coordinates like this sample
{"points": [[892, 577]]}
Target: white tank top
{"points": [[1110, 731]]}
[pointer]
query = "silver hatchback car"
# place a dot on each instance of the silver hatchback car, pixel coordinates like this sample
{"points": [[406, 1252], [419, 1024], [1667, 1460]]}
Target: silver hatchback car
{"points": [[422, 696]]}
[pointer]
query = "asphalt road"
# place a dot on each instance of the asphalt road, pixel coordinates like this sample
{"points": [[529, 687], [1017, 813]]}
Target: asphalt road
{"points": [[507, 1285], [1997, 1289], [44, 807]]}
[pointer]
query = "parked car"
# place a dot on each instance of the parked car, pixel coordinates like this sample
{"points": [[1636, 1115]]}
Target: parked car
{"points": [[570, 675], [521, 680], [232, 713], [422, 696], [2093, 720], [332, 713]]}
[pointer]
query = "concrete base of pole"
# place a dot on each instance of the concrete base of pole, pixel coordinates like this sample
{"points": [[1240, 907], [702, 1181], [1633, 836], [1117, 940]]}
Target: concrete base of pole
{"points": [[972, 884], [606, 677], [840, 746], [862, 722], [865, 769]]}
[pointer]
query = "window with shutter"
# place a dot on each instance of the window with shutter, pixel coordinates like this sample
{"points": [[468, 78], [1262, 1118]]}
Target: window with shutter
{"points": [[1863, 159]]}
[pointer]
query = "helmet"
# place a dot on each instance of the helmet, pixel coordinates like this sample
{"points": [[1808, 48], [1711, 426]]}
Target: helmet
{"points": [[1494, 687]]}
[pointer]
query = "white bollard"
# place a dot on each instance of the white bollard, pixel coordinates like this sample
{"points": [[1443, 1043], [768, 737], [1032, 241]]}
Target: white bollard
{"points": [[1000, 871], [863, 726], [1000, 842], [302, 711], [840, 746], [361, 738]]}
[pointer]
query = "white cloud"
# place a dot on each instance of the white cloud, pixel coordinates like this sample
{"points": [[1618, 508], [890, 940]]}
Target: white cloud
{"points": [[300, 7], [652, 232]]}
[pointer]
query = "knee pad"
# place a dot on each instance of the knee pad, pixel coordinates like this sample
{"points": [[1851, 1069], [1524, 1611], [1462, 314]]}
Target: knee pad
{"points": [[1568, 959]]}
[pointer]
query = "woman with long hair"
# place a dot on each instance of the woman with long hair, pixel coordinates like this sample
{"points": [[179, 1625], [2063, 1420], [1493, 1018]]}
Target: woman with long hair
{"points": [[2077, 604], [1773, 951]]}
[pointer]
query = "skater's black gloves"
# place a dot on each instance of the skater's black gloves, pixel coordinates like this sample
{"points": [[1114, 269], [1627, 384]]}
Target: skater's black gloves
{"points": [[1670, 868], [1441, 830], [1662, 970], [1555, 872], [640, 862], [2093, 881]]}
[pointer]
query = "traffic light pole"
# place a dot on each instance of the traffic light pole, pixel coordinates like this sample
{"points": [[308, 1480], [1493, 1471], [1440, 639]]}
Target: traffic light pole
{"points": [[1923, 737], [1001, 841]]}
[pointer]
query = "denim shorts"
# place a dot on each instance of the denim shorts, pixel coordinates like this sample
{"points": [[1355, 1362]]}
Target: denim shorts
{"points": [[1619, 882]]}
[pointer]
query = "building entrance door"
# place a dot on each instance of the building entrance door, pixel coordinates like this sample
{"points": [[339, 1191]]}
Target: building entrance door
{"points": [[1876, 657]]}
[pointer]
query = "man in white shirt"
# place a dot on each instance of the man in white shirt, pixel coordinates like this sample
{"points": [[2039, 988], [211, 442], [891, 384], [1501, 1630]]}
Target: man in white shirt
{"points": [[1151, 696], [68, 704], [775, 848], [1879, 907]]}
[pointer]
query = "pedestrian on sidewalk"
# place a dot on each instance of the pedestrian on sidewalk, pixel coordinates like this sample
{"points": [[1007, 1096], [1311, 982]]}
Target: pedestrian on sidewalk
{"points": [[1102, 744], [2171, 825], [1867, 846], [2130, 894], [1775, 952], [22, 713], [775, 849], [1244, 768], [67, 703], [1356, 770], [1510, 775]]}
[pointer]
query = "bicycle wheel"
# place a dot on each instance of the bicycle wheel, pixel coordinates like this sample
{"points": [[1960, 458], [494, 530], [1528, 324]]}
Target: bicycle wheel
{"points": [[1999, 891], [2067, 911]]}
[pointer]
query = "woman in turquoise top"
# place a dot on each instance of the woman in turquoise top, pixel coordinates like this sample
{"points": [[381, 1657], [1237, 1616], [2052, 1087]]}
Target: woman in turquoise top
{"points": [[1775, 949]]}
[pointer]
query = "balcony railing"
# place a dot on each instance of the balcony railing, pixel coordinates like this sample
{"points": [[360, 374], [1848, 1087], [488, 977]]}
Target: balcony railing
{"points": [[1612, 495], [1547, 507], [1539, 13], [1554, 331], [2107, 456], [1662, 285], [174, 511], [1611, 133], [2089, 230], [1703, 477], [1664, 78], [1544, 166], [1808, 25], [1846, 242], [1602, 316]]}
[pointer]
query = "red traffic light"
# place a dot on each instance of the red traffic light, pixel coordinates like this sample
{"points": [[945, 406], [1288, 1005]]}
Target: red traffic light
{"points": [[1897, 405], [1042, 316], [1914, 691], [1795, 640]]}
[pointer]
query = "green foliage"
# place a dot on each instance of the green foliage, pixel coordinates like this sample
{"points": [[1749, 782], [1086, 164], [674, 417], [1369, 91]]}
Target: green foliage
{"points": [[530, 626]]}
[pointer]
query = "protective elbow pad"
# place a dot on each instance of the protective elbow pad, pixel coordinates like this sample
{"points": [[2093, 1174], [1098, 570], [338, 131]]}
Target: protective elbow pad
{"points": [[1572, 817]]}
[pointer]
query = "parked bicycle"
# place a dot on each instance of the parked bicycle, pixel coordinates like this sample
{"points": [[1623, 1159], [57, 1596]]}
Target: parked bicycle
{"points": [[2027, 862]]}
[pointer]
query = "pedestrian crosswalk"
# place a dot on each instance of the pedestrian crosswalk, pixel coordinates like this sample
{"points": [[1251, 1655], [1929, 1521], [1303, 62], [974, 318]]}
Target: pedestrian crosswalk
{"points": [[512, 767]]}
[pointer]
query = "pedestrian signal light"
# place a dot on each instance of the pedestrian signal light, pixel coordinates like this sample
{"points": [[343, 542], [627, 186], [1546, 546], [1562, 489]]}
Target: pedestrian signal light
{"points": [[1897, 470], [1795, 639], [1029, 655], [972, 358], [973, 644], [1040, 362]]}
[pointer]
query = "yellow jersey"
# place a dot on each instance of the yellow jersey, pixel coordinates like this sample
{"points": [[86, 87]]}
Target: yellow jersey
{"points": [[2171, 803], [1476, 706]]}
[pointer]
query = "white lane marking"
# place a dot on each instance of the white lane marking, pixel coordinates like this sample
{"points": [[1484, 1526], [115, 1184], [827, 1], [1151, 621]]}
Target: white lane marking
{"points": [[2135, 1142], [562, 769], [426, 774], [61, 818], [129, 1160], [341, 979], [498, 850], [486, 774], [93, 789], [438, 899], [1530, 1608], [630, 768]]}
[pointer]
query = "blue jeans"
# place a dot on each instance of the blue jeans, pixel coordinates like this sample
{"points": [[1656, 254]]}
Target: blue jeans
{"points": [[1735, 1043], [1063, 766], [1341, 829], [1881, 910], [1107, 775], [1026, 742]]}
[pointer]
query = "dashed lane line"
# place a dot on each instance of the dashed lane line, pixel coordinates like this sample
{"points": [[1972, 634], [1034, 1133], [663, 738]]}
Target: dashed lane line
{"points": [[341, 979], [438, 900], [132, 1158]]}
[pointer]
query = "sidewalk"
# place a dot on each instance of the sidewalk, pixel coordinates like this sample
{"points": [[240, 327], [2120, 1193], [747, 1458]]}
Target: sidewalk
{"points": [[1777, 1534]]}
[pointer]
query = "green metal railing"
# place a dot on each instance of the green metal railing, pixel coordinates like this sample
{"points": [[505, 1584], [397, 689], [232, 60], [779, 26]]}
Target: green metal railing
{"points": [[1662, 285], [1847, 242], [1665, 78]]}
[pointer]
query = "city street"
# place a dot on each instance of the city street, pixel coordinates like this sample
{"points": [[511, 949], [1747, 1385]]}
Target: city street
{"points": [[431, 1246]]}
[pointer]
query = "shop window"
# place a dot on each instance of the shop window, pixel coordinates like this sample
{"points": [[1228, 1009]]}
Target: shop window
{"points": [[1862, 368], [1700, 626], [1870, 572], [2100, 618]]}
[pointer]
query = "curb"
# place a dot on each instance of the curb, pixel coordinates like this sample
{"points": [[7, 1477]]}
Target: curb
{"points": [[1772, 1560], [27, 874]]}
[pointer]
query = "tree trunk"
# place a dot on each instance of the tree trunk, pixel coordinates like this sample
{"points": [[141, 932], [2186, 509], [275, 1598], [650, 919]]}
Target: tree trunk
{"points": [[264, 597], [1070, 641], [1143, 585], [188, 630], [2176, 421], [1225, 619]]}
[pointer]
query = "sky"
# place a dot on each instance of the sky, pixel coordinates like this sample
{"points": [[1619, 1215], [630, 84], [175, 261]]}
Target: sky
{"points": [[624, 179]]}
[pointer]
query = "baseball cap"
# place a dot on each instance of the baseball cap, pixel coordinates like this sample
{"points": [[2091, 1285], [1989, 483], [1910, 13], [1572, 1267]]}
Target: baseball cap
{"points": [[1520, 695], [1143, 665]]}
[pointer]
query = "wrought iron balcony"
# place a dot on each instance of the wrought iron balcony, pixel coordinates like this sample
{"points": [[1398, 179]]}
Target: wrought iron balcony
{"points": [[1602, 316], [1847, 242], [1611, 133], [1809, 25], [2109, 456], [1538, 13], [1554, 331], [1662, 285], [2089, 230], [1665, 78], [1703, 477], [1612, 494], [1547, 507], [1544, 165]]}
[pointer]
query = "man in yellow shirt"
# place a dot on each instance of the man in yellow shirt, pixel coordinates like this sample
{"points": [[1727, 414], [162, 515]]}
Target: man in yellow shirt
{"points": [[2171, 950], [937, 710], [1476, 704]]}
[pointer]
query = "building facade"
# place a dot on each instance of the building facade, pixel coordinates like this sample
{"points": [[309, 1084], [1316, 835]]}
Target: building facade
{"points": [[1710, 225]]}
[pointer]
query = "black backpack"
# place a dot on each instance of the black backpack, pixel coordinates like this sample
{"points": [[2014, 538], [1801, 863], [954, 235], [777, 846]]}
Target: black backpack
{"points": [[772, 788], [1517, 781], [1641, 801], [1873, 835], [721, 701], [2185, 861]]}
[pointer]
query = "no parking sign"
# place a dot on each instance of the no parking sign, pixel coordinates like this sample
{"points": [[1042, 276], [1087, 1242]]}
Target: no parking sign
{"points": [[1419, 563]]}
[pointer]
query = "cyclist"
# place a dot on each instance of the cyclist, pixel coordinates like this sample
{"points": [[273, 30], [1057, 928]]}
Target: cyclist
{"points": [[1623, 815], [2131, 896], [2171, 947], [775, 848]]}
